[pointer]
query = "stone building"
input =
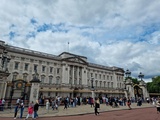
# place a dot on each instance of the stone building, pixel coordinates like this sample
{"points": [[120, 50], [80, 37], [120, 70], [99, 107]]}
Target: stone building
{"points": [[66, 74]]}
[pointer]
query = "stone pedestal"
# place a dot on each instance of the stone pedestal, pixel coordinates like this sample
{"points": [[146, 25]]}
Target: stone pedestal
{"points": [[93, 94], [34, 91]]}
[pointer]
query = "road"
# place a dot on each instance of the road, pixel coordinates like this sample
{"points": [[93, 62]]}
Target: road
{"points": [[134, 114]]}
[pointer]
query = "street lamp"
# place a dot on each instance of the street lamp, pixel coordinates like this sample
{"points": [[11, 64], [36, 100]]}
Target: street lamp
{"points": [[141, 75], [128, 73]]}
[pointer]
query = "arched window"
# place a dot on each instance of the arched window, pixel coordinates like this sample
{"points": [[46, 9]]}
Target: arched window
{"points": [[25, 76], [15, 74], [50, 79], [42, 78], [57, 80]]}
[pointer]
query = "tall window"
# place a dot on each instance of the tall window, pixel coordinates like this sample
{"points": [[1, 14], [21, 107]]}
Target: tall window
{"points": [[111, 84], [43, 68], [16, 65], [75, 81], [14, 76], [95, 76], [103, 77], [108, 84], [42, 78], [58, 70], [51, 69], [70, 81], [50, 79], [104, 84], [57, 80], [25, 77], [80, 82], [26, 66], [100, 83], [111, 77], [35, 67]]}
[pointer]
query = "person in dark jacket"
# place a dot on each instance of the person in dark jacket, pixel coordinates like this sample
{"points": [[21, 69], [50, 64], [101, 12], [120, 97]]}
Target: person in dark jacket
{"points": [[16, 110], [96, 106], [36, 106]]}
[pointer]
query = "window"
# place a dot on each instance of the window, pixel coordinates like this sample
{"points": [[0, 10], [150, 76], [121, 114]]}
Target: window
{"points": [[57, 80], [51, 69], [42, 78], [58, 70], [25, 77], [108, 84], [75, 82], [50, 79], [14, 77], [111, 77], [104, 84], [80, 82], [26, 66], [35, 67], [70, 81], [43, 68], [49, 93], [91, 74], [95, 76], [16, 65], [111, 84], [107, 77], [103, 77], [99, 76], [100, 84]]}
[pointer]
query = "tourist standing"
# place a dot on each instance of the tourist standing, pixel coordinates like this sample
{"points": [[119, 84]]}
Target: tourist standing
{"points": [[47, 105], [65, 103], [129, 103], [96, 106], [21, 108], [16, 110], [36, 106], [158, 105], [3, 103]]}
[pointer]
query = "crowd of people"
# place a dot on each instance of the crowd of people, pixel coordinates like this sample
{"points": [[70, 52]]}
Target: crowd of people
{"points": [[54, 102]]}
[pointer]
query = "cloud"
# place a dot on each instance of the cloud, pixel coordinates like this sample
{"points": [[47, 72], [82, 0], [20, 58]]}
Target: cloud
{"points": [[108, 32]]}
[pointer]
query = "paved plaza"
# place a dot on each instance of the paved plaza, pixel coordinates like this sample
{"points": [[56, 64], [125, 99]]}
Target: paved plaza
{"points": [[78, 110]]}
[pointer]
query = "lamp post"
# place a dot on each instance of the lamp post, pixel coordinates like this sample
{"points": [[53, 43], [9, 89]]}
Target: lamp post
{"points": [[128, 73], [141, 75]]}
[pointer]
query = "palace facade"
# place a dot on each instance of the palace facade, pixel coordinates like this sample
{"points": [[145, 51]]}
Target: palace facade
{"points": [[66, 74]]}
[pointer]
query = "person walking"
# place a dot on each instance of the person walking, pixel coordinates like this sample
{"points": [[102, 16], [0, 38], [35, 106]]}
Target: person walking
{"points": [[3, 103], [129, 103], [65, 103], [47, 105], [36, 106], [96, 106], [30, 112], [21, 108], [16, 110]]}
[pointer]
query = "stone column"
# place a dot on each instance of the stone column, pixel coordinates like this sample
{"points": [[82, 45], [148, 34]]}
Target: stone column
{"points": [[34, 91]]}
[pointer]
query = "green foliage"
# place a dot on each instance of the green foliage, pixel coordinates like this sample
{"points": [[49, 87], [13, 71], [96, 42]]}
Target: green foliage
{"points": [[154, 86]]}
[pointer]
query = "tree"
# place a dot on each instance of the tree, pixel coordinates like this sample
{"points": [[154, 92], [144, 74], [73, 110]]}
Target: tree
{"points": [[154, 86]]}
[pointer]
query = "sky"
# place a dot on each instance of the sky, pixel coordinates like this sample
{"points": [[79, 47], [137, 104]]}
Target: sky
{"points": [[121, 33]]}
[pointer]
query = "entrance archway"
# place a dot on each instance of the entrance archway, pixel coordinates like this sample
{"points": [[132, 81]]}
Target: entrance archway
{"points": [[138, 92]]}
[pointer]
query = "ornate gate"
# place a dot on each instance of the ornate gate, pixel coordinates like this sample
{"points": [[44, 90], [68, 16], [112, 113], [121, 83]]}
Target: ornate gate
{"points": [[138, 92]]}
